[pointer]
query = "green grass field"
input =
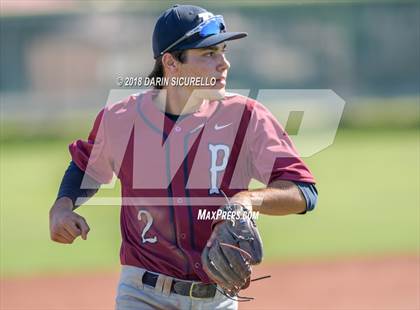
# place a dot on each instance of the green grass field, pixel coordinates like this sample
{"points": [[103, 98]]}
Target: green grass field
{"points": [[368, 184]]}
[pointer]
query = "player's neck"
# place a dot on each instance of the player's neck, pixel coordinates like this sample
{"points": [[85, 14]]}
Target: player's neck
{"points": [[180, 100]]}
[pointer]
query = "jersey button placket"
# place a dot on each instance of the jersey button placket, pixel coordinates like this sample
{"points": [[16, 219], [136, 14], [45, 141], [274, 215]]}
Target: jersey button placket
{"points": [[179, 200]]}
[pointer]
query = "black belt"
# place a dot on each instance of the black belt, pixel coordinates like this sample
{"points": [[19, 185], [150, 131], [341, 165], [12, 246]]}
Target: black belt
{"points": [[191, 289]]}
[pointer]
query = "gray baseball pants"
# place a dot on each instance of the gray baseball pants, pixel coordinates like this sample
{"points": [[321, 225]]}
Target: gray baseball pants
{"points": [[132, 294]]}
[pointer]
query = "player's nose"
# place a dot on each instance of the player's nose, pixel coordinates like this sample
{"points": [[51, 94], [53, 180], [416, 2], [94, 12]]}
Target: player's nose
{"points": [[224, 63]]}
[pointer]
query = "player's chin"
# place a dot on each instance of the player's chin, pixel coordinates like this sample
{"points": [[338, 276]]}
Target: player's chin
{"points": [[219, 85], [219, 90]]}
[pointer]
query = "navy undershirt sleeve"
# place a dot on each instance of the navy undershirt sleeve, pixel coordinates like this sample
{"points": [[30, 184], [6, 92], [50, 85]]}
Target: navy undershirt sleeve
{"points": [[310, 193], [71, 183]]}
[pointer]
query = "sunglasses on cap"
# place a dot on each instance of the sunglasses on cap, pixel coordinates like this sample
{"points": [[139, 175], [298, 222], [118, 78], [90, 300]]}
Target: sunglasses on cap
{"points": [[213, 25]]}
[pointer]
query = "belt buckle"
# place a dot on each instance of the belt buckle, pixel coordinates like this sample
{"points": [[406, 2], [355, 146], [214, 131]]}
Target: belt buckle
{"points": [[191, 290]]}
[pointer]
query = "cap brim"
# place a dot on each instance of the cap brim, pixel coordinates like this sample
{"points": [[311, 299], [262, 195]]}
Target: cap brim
{"points": [[212, 40]]}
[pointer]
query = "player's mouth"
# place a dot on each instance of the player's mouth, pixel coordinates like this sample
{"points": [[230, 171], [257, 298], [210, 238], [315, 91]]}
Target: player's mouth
{"points": [[221, 81]]}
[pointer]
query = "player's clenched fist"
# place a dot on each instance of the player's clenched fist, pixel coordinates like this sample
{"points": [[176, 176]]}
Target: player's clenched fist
{"points": [[65, 224]]}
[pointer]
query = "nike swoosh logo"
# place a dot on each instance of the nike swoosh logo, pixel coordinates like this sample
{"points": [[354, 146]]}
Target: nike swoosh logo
{"points": [[217, 127]]}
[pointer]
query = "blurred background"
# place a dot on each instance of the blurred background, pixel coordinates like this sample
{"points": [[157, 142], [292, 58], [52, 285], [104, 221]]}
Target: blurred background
{"points": [[59, 60]]}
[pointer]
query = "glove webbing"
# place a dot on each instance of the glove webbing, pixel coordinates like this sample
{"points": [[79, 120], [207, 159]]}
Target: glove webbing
{"points": [[238, 297]]}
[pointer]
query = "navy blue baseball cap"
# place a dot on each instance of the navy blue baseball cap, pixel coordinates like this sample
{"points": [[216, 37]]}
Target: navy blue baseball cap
{"points": [[187, 26]]}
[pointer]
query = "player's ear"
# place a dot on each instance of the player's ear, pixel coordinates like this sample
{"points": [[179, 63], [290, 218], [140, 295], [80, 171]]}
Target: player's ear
{"points": [[169, 63]]}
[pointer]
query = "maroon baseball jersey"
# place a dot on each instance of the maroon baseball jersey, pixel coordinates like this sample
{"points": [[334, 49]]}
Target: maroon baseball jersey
{"points": [[170, 171]]}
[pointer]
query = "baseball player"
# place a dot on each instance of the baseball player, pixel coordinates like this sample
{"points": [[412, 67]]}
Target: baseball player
{"points": [[185, 155]]}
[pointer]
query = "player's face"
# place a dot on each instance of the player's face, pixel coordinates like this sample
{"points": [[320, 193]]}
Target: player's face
{"points": [[208, 63]]}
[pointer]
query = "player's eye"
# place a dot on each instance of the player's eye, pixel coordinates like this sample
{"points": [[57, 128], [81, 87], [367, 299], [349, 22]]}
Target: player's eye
{"points": [[210, 54]]}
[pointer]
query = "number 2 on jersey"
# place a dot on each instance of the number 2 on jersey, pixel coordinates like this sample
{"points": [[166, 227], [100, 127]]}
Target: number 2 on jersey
{"points": [[149, 222]]}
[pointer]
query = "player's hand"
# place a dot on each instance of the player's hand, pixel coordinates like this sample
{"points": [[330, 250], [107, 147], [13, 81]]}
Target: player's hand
{"points": [[234, 245], [65, 224]]}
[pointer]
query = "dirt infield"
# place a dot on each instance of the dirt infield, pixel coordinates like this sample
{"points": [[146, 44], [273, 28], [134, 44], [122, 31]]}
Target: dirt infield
{"points": [[386, 283]]}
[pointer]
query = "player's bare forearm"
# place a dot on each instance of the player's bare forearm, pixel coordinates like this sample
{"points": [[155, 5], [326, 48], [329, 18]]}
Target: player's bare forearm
{"points": [[279, 198]]}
